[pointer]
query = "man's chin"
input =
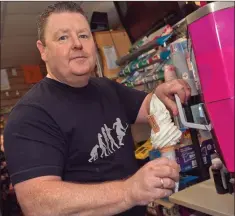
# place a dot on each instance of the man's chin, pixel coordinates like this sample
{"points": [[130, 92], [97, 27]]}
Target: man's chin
{"points": [[81, 73], [79, 79]]}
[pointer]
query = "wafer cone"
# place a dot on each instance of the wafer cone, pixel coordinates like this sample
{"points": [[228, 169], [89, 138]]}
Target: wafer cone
{"points": [[167, 149], [153, 124], [169, 152]]}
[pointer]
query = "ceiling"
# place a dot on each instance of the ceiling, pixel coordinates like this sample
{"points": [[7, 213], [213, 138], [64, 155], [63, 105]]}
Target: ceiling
{"points": [[19, 32]]}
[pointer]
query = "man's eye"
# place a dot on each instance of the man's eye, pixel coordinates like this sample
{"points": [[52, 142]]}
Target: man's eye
{"points": [[83, 36], [63, 37]]}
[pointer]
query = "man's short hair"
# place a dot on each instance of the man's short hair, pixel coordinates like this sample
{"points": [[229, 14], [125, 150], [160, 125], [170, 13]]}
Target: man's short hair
{"points": [[58, 7]]}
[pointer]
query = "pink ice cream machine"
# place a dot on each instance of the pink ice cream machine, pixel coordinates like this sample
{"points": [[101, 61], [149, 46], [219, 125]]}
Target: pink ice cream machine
{"points": [[211, 30]]}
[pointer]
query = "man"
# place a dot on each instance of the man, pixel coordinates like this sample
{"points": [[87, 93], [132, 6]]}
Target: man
{"points": [[9, 204], [51, 138]]}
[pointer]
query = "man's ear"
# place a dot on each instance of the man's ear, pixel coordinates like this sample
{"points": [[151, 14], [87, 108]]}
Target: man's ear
{"points": [[42, 50]]}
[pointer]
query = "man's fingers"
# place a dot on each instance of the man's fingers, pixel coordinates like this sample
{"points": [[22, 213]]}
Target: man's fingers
{"points": [[165, 183], [187, 89], [179, 90], [161, 193], [171, 105], [179, 87], [166, 172], [165, 161]]}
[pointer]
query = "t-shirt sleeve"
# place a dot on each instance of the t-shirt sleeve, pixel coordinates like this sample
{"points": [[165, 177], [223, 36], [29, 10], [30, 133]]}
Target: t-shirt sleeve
{"points": [[34, 144], [131, 99]]}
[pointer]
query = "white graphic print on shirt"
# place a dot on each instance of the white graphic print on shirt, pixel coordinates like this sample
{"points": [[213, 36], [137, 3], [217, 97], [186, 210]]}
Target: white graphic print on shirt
{"points": [[107, 144]]}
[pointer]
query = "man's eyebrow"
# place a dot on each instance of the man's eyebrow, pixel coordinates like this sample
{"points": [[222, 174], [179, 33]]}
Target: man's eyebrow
{"points": [[61, 31], [67, 30], [83, 30]]}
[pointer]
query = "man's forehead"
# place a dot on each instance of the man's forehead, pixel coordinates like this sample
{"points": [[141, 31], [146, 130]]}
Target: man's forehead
{"points": [[66, 21], [64, 30], [64, 17]]}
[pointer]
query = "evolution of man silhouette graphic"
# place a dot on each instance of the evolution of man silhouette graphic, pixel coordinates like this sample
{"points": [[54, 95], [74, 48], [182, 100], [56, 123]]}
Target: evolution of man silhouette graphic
{"points": [[106, 143]]}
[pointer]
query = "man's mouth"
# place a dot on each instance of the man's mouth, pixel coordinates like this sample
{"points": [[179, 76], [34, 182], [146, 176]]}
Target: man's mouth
{"points": [[79, 57]]}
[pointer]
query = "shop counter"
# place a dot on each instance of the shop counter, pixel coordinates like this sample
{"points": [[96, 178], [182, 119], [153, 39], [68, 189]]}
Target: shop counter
{"points": [[204, 198]]}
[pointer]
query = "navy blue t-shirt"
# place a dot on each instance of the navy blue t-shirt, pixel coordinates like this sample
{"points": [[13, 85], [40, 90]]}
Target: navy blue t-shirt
{"points": [[81, 134]]}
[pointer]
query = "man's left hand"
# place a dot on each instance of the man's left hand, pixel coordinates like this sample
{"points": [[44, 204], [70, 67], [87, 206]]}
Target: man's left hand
{"points": [[166, 91]]}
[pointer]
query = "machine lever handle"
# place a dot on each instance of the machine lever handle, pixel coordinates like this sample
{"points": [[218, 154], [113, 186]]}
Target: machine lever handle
{"points": [[189, 124]]}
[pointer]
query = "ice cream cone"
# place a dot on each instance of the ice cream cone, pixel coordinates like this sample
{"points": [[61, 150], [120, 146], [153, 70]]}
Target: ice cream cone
{"points": [[169, 152], [167, 149], [153, 123], [164, 134]]}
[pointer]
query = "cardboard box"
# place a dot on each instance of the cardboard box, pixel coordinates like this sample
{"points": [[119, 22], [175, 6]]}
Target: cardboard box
{"points": [[186, 157], [111, 45]]}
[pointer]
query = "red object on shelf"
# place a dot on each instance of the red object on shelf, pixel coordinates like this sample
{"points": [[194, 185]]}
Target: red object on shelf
{"points": [[202, 3], [32, 73]]}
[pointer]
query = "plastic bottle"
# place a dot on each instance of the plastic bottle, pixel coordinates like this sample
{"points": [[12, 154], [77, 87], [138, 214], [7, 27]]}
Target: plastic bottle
{"points": [[219, 176]]}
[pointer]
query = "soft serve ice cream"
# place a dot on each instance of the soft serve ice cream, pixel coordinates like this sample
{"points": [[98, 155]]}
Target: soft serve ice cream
{"points": [[164, 134], [167, 134]]}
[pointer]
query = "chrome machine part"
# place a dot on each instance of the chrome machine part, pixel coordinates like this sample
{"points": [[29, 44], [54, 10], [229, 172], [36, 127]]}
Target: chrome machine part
{"points": [[209, 8]]}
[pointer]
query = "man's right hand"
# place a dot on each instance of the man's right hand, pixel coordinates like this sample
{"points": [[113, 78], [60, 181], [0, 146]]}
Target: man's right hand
{"points": [[154, 180]]}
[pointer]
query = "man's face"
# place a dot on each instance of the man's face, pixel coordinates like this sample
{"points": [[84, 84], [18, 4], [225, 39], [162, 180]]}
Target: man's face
{"points": [[69, 51]]}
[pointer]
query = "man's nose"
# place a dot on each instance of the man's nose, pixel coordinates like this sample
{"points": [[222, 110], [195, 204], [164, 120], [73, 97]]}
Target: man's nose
{"points": [[77, 43]]}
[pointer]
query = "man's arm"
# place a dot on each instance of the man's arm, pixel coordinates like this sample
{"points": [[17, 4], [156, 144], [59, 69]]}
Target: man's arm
{"points": [[36, 151], [46, 196], [49, 195], [144, 110], [165, 92], [136, 103]]}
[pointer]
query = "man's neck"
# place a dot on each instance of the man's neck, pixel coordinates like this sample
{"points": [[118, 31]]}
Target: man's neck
{"points": [[51, 76], [75, 85]]}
